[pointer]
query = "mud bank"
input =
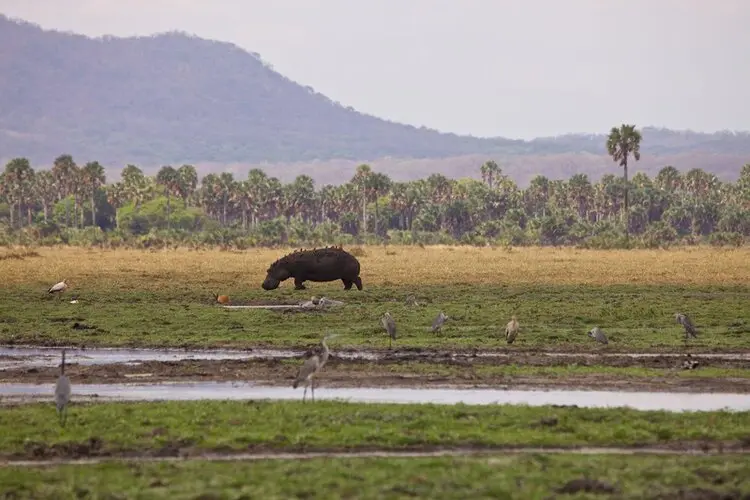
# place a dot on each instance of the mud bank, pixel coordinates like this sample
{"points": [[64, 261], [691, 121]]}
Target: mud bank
{"points": [[35, 356], [697, 449], [345, 373]]}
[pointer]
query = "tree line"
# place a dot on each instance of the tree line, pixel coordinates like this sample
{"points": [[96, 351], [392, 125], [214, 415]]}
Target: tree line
{"points": [[74, 204]]}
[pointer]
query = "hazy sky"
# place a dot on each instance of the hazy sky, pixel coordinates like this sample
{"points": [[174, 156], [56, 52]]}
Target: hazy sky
{"points": [[518, 69]]}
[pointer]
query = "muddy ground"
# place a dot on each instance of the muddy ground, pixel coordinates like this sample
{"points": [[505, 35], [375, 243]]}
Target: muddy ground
{"points": [[95, 447], [468, 372]]}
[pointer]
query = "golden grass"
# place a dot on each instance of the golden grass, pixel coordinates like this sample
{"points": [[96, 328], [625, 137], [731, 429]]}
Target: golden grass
{"points": [[392, 266]]}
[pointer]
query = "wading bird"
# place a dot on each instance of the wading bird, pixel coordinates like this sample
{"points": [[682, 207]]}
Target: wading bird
{"points": [[597, 334], [62, 393], [690, 330], [437, 324], [58, 287], [511, 330], [312, 366], [390, 326]]}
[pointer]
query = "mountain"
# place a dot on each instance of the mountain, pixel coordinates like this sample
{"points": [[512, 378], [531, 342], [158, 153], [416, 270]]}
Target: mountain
{"points": [[176, 98]]}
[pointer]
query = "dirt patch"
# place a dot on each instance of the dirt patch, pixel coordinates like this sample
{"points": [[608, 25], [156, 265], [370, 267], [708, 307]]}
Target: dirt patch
{"points": [[94, 448], [381, 373]]}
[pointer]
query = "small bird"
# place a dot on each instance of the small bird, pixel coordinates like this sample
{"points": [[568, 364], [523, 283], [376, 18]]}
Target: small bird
{"points": [[690, 330], [511, 330], [58, 287], [597, 334], [411, 300], [313, 365], [62, 393], [221, 299], [390, 326], [437, 323]]}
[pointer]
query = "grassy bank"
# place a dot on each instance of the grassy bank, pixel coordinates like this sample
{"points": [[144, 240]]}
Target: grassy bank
{"points": [[169, 427], [528, 477], [164, 298]]}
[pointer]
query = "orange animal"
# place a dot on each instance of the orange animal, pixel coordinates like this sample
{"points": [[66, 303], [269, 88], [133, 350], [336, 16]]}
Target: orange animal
{"points": [[222, 299]]}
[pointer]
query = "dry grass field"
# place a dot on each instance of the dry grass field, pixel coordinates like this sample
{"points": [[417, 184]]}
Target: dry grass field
{"points": [[408, 267]]}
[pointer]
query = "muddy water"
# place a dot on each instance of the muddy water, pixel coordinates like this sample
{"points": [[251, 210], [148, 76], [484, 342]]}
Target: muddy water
{"points": [[27, 357], [238, 390]]}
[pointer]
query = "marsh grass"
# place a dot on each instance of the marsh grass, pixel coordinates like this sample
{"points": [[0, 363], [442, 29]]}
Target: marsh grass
{"points": [[241, 426], [532, 477], [165, 298]]}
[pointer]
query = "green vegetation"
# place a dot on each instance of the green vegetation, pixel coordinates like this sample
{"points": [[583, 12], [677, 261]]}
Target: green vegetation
{"points": [[73, 205], [478, 370], [552, 317], [534, 477], [120, 428]]}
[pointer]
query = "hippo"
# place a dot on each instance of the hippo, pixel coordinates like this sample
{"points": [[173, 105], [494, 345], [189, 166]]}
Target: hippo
{"points": [[318, 264]]}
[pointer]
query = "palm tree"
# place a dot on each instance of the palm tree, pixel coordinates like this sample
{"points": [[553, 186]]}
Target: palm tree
{"points": [[188, 178], [19, 179], [45, 191], [93, 178], [134, 185], [168, 177], [490, 171], [116, 196], [622, 143], [361, 180], [64, 171]]}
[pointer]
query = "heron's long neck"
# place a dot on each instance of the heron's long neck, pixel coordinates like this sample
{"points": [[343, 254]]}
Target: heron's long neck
{"points": [[62, 369], [324, 356]]}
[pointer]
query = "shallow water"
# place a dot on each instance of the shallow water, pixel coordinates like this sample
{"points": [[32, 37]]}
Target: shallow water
{"points": [[29, 356], [174, 391]]}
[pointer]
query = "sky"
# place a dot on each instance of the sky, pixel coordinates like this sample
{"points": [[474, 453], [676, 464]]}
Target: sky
{"points": [[511, 68]]}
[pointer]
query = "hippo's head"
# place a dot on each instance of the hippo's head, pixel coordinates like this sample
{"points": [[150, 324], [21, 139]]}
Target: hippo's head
{"points": [[276, 274]]}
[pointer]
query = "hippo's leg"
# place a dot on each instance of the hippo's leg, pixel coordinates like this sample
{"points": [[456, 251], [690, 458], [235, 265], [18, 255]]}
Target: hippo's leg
{"points": [[347, 284], [358, 282], [298, 284]]}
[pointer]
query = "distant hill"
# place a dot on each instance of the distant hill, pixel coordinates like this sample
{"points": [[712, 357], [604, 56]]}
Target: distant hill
{"points": [[176, 98]]}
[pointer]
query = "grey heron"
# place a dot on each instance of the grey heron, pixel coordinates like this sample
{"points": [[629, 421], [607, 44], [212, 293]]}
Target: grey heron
{"points": [[511, 330], [597, 334], [62, 393], [438, 322], [390, 326], [312, 366], [690, 330]]}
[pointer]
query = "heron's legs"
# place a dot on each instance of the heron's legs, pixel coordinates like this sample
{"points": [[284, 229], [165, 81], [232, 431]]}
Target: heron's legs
{"points": [[304, 394], [312, 389]]}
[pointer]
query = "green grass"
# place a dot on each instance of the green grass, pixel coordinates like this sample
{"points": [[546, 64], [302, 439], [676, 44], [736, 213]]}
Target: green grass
{"points": [[551, 316], [531, 477], [520, 370], [114, 428]]}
